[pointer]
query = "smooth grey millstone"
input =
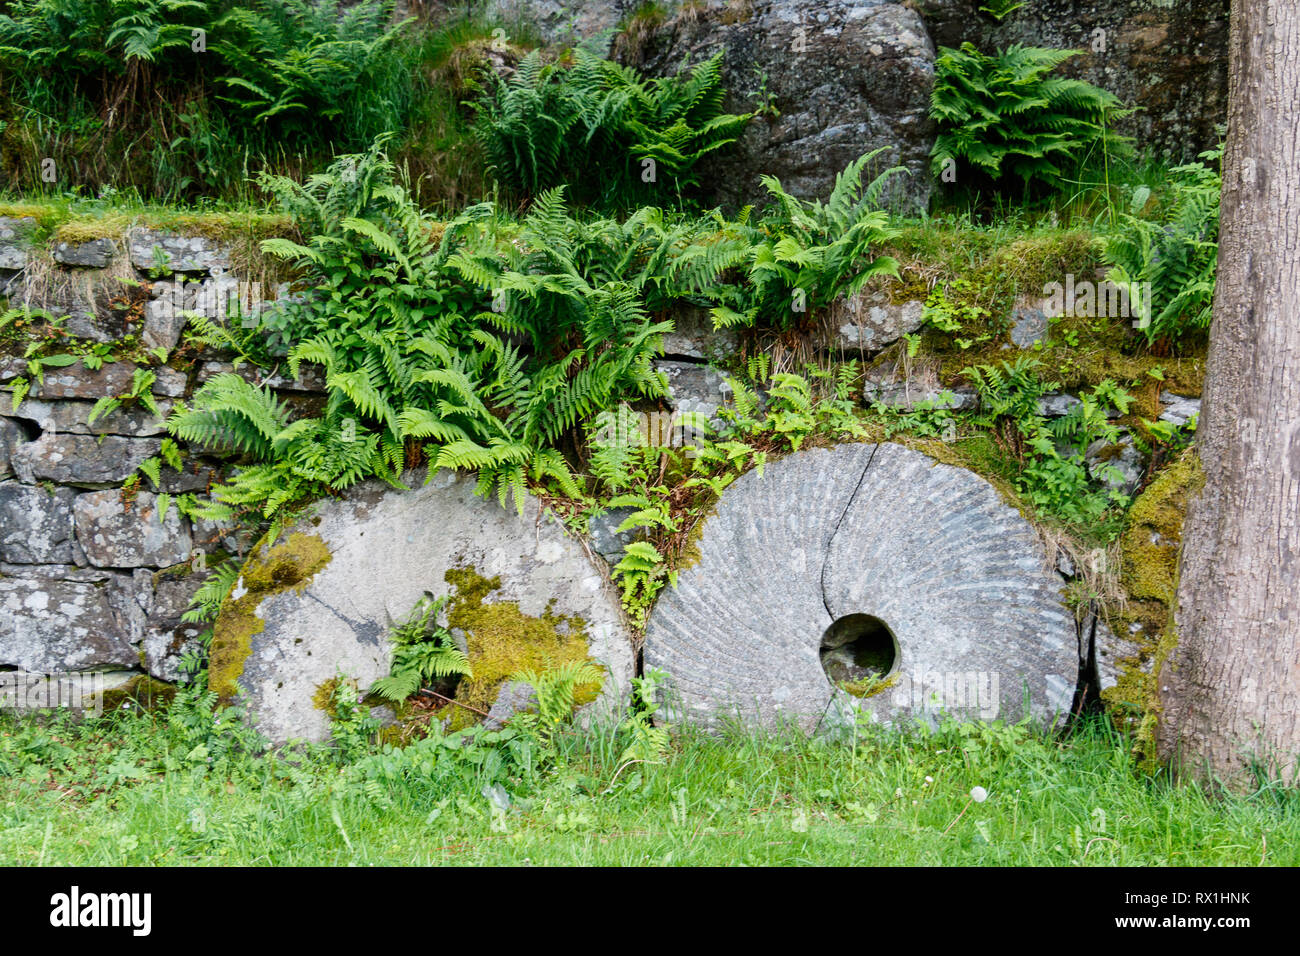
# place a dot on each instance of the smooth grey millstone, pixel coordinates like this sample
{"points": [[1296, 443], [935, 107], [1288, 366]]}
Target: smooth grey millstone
{"points": [[957, 575]]}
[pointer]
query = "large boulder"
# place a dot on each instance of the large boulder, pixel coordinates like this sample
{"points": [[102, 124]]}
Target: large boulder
{"points": [[1170, 57], [864, 577], [316, 604], [837, 78]]}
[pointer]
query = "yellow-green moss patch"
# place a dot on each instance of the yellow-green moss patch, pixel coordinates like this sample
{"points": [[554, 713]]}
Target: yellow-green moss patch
{"points": [[502, 641], [1150, 549], [288, 566]]}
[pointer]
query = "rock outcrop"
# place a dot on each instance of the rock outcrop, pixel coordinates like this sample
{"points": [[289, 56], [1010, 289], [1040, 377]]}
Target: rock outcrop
{"points": [[832, 80]]}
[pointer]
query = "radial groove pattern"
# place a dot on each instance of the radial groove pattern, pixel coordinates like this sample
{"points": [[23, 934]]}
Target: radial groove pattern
{"points": [[932, 550]]}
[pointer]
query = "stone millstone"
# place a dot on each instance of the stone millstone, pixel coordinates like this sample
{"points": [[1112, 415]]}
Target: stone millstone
{"points": [[318, 604], [932, 551]]}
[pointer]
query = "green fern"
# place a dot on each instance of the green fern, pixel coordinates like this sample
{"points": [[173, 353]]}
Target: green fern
{"points": [[1004, 117], [557, 687], [1176, 252], [601, 125]]}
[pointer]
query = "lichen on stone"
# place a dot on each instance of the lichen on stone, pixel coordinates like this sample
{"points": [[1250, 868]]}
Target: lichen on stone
{"points": [[270, 569]]}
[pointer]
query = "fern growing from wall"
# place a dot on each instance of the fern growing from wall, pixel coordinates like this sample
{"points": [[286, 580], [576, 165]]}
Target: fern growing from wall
{"points": [[804, 254], [486, 346]]}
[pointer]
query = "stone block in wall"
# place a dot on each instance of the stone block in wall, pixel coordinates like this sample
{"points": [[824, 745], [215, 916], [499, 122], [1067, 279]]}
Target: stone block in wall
{"points": [[15, 241], [74, 381], [195, 476], [694, 387], [77, 381], [95, 254], [869, 321], [166, 637], [11, 436], [36, 524], [169, 382], [693, 336], [893, 387], [81, 459], [310, 378], [233, 538], [70, 417], [84, 303], [163, 325], [118, 535], [179, 253], [217, 298], [58, 618]]}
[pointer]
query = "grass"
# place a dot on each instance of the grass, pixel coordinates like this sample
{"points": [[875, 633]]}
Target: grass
{"points": [[129, 789]]}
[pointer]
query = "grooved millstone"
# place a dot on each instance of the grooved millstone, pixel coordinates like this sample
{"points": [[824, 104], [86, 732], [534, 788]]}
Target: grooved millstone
{"points": [[388, 548], [959, 577]]}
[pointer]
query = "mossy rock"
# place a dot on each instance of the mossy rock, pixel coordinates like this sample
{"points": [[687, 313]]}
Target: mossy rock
{"points": [[502, 641], [317, 604]]}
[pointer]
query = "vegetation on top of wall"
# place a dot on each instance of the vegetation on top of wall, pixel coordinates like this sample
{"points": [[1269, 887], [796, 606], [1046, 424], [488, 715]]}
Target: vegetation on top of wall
{"points": [[175, 98]]}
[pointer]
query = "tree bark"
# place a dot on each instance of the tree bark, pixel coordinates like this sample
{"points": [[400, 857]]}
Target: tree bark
{"points": [[1230, 688]]}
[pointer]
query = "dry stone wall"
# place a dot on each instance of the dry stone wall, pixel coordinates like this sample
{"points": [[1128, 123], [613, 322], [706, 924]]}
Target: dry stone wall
{"points": [[93, 576]]}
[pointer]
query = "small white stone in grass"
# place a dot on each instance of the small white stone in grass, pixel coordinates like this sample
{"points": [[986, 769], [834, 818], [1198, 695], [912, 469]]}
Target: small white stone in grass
{"points": [[979, 794]]}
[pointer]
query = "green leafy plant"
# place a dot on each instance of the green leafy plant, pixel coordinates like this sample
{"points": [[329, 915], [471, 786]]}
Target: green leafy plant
{"points": [[352, 725], [804, 254], [556, 689], [423, 652], [486, 341], [175, 96], [620, 137], [1054, 473], [1005, 117], [141, 393], [646, 743], [1175, 251]]}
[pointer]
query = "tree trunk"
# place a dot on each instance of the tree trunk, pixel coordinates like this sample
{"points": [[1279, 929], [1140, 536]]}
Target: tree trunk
{"points": [[1230, 689]]}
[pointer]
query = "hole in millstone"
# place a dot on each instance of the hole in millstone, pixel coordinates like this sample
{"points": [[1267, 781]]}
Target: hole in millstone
{"points": [[858, 648]]}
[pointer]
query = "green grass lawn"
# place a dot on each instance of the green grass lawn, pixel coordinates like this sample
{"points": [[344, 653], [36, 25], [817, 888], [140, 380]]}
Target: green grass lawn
{"points": [[138, 790]]}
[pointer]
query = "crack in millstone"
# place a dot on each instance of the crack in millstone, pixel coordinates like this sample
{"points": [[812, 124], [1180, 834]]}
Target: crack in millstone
{"points": [[830, 541]]}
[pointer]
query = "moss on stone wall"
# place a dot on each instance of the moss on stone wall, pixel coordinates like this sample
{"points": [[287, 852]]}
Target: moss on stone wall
{"points": [[1150, 547], [269, 570]]}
